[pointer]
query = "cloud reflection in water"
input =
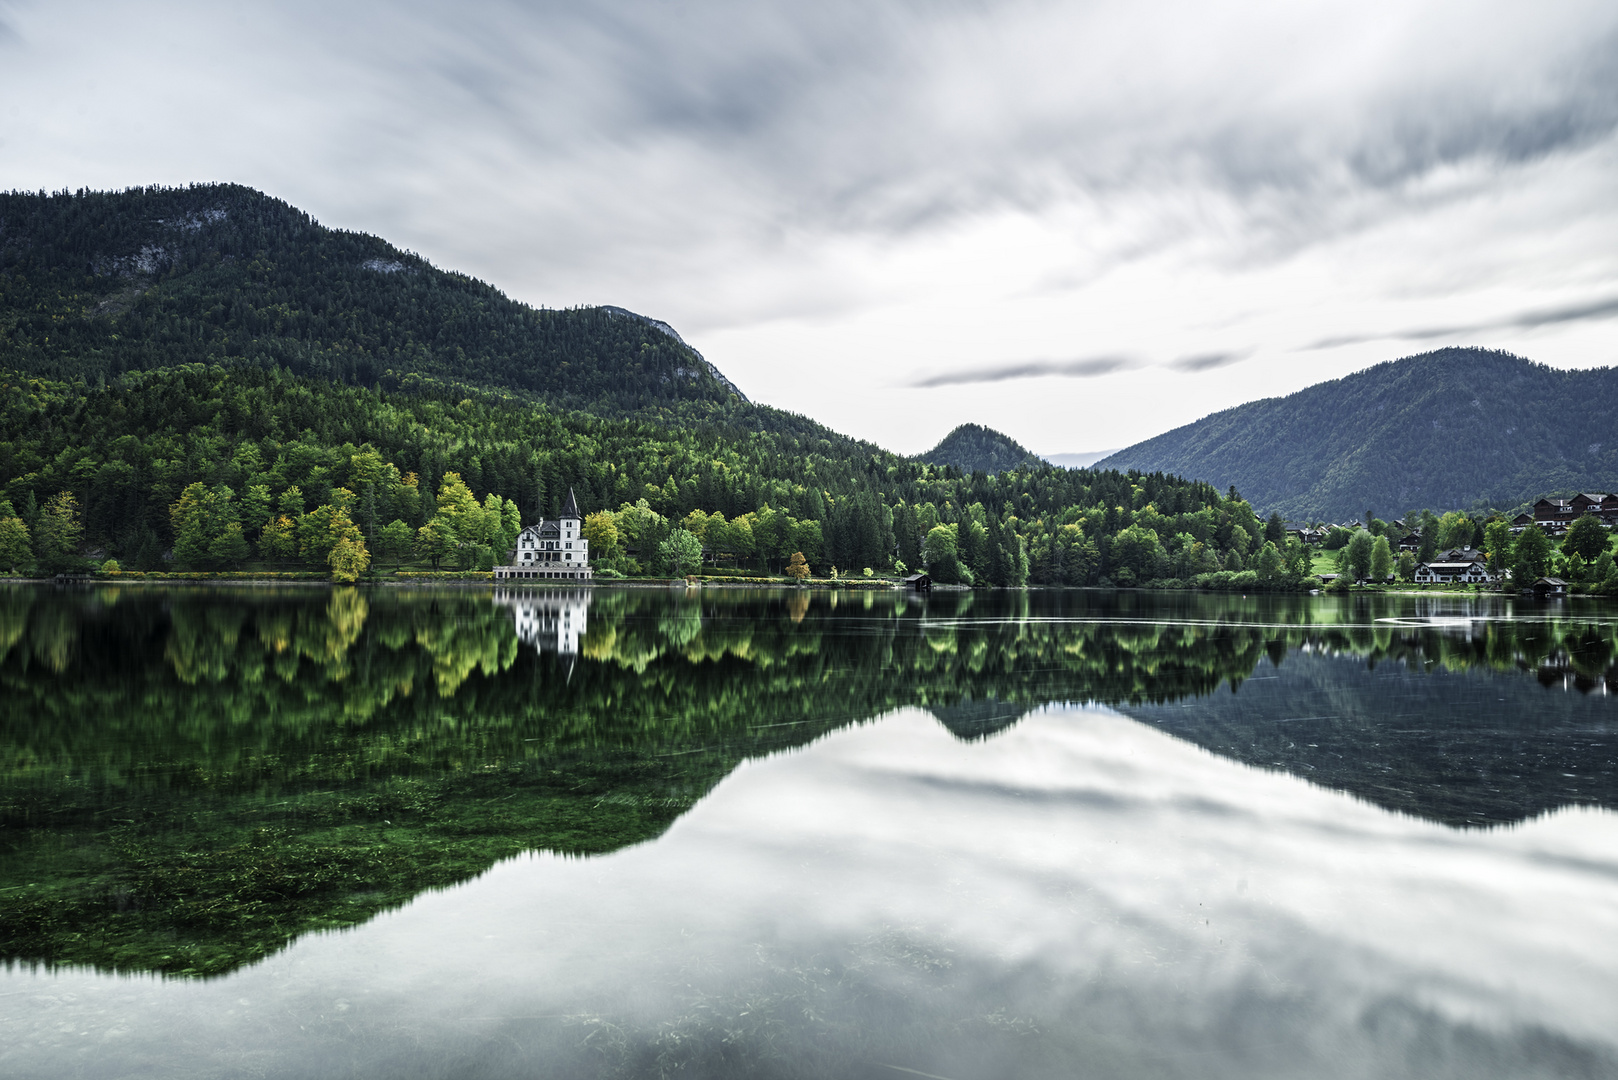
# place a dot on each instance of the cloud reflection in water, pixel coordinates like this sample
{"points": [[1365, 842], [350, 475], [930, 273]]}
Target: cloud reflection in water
{"points": [[1079, 890]]}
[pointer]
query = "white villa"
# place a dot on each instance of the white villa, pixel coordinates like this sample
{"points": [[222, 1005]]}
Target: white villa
{"points": [[550, 550]]}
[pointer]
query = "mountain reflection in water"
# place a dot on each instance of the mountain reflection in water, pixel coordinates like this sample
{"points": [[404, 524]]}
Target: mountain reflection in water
{"points": [[190, 778]]}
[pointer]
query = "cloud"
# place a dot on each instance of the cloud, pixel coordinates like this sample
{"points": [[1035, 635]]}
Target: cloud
{"points": [[1527, 320], [1086, 368], [823, 181], [1206, 361]]}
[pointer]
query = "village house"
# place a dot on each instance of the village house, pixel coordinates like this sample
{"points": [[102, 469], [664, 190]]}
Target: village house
{"points": [[1307, 533], [1448, 573], [1549, 586], [1555, 515], [550, 550]]}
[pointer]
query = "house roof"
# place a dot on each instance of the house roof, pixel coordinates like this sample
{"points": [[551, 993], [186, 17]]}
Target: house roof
{"points": [[1448, 567], [570, 509]]}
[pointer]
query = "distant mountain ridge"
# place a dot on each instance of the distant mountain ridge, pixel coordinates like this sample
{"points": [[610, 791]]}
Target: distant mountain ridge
{"points": [[975, 448], [93, 284], [1442, 430]]}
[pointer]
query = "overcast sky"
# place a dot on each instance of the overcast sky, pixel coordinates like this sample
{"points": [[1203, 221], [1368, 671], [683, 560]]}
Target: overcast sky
{"points": [[1079, 223]]}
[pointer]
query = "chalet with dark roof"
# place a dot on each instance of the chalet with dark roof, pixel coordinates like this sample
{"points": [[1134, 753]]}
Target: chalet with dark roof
{"points": [[1461, 571], [1554, 514]]}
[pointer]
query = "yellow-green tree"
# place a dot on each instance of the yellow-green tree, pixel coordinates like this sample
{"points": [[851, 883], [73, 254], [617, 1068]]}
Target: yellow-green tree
{"points": [[434, 540], [322, 529], [798, 566], [348, 558], [606, 542], [15, 548], [1381, 559], [57, 537], [207, 529], [458, 509], [279, 539]]}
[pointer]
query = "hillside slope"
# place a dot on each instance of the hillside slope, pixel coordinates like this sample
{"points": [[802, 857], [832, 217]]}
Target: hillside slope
{"points": [[1445, 429], [975, 448], [93, 284]]}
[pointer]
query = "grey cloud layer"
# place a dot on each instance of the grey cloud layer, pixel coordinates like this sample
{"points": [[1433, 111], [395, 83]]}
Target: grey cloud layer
{"points": [[1085, 368], [1527, 320], [889, 117], [1207, 361]]}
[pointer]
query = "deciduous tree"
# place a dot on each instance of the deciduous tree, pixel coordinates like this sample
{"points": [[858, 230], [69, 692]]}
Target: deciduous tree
{"points": [[1530, 555], [680, 553], [1381, 559], [15, 549], [57, 538], [1586, 539], [1357, 555], [1497, 545], [394, 541]]}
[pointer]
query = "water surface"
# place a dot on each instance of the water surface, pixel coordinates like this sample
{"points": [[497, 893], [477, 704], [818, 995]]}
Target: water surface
{"points": [[638, 833]]}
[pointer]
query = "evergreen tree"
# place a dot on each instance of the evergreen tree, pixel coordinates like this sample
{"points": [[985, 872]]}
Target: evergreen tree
{"points": [[1275, 530]]}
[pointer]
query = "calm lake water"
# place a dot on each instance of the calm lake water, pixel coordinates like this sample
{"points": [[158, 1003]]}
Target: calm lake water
{"points": [[635, 832]]}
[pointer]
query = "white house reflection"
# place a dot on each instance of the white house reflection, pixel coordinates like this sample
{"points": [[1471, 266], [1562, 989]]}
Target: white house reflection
{"points": [[551, 620]]}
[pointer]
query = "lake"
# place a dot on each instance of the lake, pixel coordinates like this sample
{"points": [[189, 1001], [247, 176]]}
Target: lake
{"points": [[633, 832]]}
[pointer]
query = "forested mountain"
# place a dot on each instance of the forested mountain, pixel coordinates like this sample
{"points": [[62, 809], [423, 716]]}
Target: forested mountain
{"points": [[207, 379], [975, 448], [93, 284], [1447, 429]]}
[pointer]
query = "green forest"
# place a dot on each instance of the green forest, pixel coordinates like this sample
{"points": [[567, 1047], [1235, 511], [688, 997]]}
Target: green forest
{"points": [[210, 468]]}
